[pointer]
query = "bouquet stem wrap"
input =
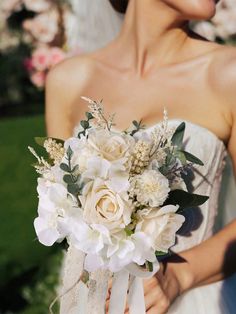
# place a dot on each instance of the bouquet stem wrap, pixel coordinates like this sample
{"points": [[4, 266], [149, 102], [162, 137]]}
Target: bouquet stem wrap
{"points": [[131, 280]]}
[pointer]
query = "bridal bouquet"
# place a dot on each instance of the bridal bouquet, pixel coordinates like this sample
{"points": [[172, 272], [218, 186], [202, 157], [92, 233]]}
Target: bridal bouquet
{"points": [[117, 196]]}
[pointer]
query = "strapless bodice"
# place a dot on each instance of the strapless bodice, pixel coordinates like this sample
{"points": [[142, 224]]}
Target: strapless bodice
{"points": [[205, 180]]}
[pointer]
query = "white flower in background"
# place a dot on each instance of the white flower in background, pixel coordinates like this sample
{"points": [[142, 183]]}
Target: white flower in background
{"points": [[206, 29], [43, 27], [160, 225], [150, 188], [55, 206], [111, 146], [9, 6], [101, 205], [222, 24], [37, 5]]}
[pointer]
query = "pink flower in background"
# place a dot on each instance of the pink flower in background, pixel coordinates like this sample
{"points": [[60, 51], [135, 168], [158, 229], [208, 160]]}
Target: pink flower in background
{"points": [[56, 56], [41, 59], [43, 27], [38, 79], [28, 64], [37, 5]]}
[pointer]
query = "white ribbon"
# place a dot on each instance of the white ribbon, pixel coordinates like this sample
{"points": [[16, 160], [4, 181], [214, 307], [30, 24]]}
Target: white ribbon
{"points": [[132, 278]]}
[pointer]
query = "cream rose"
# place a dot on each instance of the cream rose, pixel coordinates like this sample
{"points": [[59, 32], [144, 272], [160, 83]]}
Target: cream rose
{"points": [[111, 146], [161, 225], [103, 206]]}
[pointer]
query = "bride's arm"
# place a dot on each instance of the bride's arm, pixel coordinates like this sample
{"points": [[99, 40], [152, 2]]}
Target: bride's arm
{"points": [[209, 261]]}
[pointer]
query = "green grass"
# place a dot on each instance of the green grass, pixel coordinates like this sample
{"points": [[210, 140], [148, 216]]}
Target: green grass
{"points": [[21, 255]]}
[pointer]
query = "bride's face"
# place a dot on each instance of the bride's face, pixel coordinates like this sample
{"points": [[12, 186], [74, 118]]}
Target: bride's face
{"points": [[193, 9]]}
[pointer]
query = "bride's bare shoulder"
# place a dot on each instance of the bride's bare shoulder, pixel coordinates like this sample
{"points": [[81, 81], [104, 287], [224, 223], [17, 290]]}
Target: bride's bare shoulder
{"points": [[223, 72], [224, 63], [64, 85], [72, 72]]}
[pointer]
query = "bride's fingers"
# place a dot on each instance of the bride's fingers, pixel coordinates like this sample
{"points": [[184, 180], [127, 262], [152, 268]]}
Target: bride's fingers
{"points": [[153, 297], [159, 305], [149, 284]]}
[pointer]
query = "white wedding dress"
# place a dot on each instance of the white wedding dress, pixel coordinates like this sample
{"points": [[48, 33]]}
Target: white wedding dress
{"points": [[217, 298]]}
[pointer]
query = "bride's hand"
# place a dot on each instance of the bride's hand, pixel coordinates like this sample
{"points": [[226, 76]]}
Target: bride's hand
{"points": [[161, 290]]}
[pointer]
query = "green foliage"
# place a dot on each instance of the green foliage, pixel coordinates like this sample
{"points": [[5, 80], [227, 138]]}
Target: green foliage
{"points": [[40, 296], [18, 96], [177, 138], [71, 178], [24, 262], [85, 124], [149, 266], [185, 199], [137, 127], [191, 158]]}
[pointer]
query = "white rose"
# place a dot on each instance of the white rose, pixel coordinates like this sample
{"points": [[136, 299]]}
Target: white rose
{"points": [[150, 188], [101, 205], [161, 225], [111, 146]]}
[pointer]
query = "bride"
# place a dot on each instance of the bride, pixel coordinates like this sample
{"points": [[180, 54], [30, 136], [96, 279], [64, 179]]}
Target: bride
{"points": [[157, 61]]}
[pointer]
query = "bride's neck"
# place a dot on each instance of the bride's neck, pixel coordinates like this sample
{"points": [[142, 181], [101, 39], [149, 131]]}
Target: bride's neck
{"points": [[152, 34]]}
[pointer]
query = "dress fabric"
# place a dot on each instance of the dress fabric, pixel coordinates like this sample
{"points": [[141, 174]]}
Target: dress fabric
{"points": [[216, 298]]}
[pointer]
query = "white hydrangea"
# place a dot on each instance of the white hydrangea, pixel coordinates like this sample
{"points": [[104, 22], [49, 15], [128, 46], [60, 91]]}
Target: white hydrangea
{"points": [[54, 210], [150, 188]]}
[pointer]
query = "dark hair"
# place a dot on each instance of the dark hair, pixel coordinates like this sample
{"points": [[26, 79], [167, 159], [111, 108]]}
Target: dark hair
{"points": [[119, 5]]}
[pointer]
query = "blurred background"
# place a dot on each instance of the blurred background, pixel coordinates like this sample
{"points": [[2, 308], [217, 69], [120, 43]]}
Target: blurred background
{"points": [[35, 35]]}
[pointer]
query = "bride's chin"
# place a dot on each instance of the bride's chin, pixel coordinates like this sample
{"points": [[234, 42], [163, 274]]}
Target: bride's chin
{"points": [[194, 9]]}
